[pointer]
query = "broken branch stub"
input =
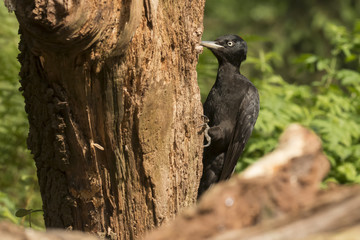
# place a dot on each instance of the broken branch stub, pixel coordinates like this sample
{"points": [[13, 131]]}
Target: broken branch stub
{"points": [[70, 27]]}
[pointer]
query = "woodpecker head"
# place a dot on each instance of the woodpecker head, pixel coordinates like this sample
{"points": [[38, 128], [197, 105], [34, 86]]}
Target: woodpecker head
{"points": [[228, 49]]}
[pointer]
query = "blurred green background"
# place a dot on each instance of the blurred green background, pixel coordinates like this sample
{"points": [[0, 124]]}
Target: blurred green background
{"points": [[303, 57], [18, 181]]}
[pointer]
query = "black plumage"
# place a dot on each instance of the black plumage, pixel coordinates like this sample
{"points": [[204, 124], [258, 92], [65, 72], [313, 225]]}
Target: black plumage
{"points": [[232, 108]]}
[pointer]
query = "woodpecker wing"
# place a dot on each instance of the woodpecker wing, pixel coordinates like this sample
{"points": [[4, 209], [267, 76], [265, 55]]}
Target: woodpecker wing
{"points": [[245, 121]]}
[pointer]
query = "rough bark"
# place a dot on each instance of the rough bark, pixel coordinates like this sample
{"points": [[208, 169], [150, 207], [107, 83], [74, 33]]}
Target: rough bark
{"points": [[113, 105]]}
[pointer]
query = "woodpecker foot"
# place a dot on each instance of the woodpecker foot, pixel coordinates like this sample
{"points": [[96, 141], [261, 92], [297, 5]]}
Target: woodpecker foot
{"points": [[207, 136], [206, 130]]}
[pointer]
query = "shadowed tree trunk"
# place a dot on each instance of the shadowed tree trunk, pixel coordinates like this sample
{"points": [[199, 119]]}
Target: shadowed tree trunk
{"points": [[113, 105]]}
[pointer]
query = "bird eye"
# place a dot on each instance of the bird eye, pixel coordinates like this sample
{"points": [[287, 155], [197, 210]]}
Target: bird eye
{"points": [[230, 43]]}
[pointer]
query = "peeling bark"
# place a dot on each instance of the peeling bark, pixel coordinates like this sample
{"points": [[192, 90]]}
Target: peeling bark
{"points": [[113, 105]]}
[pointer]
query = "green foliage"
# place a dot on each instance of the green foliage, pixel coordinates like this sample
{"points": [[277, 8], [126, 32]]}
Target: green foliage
{"points": [[287, 28], [18, 183], [327, 101]]}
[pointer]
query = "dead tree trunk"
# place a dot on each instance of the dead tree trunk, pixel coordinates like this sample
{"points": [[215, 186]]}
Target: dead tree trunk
{"points": [[113, 105]]}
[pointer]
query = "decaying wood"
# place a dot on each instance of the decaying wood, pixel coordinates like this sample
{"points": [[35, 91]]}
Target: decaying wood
{"points": [[114, 108], [281, 185]]}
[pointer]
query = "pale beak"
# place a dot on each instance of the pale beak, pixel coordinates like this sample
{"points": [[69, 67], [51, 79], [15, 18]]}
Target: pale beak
{"points": [[211, 45]]}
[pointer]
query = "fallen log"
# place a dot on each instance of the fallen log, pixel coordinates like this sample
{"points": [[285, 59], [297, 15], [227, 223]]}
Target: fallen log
{"points": [[9, 231], [278, 197], [332, 212]]}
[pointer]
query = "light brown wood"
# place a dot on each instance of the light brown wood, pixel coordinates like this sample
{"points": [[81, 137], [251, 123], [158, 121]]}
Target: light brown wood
{"points": [[335, 210]]}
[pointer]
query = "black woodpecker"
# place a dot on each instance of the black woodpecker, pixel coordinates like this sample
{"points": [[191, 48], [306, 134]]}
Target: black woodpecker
{"points": [[231, 107]]}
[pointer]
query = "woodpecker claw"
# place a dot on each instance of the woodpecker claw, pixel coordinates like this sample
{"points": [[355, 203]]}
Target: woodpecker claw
{"points": [[205, 120]]}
